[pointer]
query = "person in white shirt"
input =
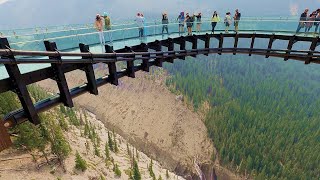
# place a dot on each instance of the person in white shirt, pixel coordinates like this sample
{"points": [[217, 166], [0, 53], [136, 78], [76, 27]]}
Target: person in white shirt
{"points": [[140, 23]]}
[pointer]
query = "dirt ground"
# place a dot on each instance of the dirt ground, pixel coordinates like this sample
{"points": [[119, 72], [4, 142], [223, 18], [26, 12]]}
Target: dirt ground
{"points": [[16, 164], [149, 116]]}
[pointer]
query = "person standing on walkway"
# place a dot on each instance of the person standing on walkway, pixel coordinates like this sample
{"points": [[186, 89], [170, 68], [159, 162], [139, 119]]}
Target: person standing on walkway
{"points": [[165, 22], [107, 25], [303, 19], [181, 20], [310, 21], [198, 22], [214, 20], [189, 22], [99, 27], [227, 21], [317, 23], [140, 23], [236, 18]]}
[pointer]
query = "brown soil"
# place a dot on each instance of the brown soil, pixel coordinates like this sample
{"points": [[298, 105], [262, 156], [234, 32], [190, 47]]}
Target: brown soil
{"points": [[148, 115]]}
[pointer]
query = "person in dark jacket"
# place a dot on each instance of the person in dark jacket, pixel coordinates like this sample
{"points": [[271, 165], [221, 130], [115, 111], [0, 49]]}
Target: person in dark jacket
{"points": [[303, 19], [236, 18], [165, 22], [317, 23], [189, 22]]}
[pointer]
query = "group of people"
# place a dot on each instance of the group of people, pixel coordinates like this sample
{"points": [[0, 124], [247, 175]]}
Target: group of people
{"points": [[103, 22], [307, 21]]}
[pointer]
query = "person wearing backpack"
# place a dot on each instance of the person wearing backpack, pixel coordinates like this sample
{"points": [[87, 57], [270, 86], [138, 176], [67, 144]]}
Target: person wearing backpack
{"points": [[227, 21], [214, 20], [236, 18], [189, 22], [181, 20], [165, 22]]}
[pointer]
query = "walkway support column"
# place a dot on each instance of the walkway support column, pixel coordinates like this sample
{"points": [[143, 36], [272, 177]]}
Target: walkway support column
{"points": [[290, 45], [59, 77], [112, 67], [314, 44], [20, 87], [170, 45], [182, 42], [157, 47], [88, 69], [252, 43]]}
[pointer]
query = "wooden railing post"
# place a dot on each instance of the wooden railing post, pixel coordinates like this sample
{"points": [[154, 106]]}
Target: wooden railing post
{"points": [[182, 42], [91, 79], [235, 46], [290, 45], [252, 43], [20, 88], [271, 40], [112, 67], [313, 46], [158, 48], [170, 45], [220, 44], [60, 77]]}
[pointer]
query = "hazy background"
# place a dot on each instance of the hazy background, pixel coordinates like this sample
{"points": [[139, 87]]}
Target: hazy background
{"points": [[30, 13]]}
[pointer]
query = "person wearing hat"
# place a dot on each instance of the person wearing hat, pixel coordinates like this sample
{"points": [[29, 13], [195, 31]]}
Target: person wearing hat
{"points": [[99, 26]]}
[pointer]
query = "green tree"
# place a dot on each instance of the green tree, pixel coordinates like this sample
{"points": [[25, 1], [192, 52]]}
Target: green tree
{"points": [[136, 172], [117, 170], [107, 152], [150, 168], [110, 142], [81, 164]]}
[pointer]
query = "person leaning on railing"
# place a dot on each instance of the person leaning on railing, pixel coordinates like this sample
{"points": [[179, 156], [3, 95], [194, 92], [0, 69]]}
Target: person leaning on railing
{"points": [[99, 26], [303, 19], [310, 21], [317, 23], [214, 20]]}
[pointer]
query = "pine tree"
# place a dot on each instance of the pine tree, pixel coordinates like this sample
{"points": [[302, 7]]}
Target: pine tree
{"points": [[110, 142], [167, 174], [117, 170], [137, 154], [128, 150], [31, 138], [81, 164], [63, 109], [150, 168], [62, 122], [116, 149], [96, 150], [107, 153], [87, 146], [136, 172]]}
